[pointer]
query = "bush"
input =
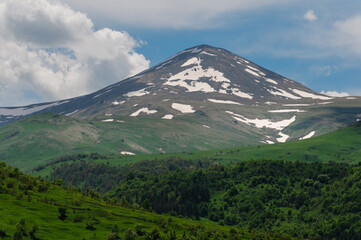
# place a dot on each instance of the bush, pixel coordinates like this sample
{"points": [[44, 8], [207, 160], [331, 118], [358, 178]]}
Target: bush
{"points": [[62, 212], [130, 235], [89, 225]]}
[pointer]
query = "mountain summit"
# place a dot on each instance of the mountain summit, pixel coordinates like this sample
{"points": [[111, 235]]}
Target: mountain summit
{"points": [[206, 96]]}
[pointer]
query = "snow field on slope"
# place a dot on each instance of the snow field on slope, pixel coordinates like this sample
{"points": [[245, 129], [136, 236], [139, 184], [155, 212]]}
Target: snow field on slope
{"points": [[311, 134], [143, 110], [137, 93], [260, 123], [223, 101], [168, 116], [183, 108]]}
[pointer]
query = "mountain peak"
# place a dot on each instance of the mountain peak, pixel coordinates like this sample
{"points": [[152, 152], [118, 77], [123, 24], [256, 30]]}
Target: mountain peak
{"points": [[207, 69]]}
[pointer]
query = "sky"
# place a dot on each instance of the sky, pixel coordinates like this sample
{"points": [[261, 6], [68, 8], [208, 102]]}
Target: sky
{"points": [[57, 49]]}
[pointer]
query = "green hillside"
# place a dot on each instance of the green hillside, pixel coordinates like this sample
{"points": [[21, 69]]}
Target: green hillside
{"points": [[33, 141], [31, 208], [343, 145]]}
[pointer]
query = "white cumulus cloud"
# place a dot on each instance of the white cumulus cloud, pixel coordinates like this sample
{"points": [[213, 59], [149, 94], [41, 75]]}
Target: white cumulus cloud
{"points": [[335, 93], [48, 51], [310, 16]]}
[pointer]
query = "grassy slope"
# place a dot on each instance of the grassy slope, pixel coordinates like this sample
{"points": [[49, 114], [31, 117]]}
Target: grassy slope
{"points": [[15, 205], [343, 145], [32, 141]]}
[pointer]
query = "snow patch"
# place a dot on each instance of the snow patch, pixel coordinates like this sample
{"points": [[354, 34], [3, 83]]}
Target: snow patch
{"points": [[239, 93], [226, 85], [260, 123], [224, 101], [126, 153], [269, 142], [271, 81], [270, 103], [351, 98], [184, 108], [207, 53], [71, 113], [259, 72], [192, 61], [168, 116], [252, 68], [138, 93], [252, 72], [283, 137], [310, 95], [189, 78], [324, 103], [143, 110], [108, 114], [297, 105], [206, 126], [282, 93], [197, 72], [308, 135], [117, 103], [285, 110], [108, 120]]}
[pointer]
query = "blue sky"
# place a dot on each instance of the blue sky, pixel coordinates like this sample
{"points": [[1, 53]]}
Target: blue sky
{"points": [[53, 50]]}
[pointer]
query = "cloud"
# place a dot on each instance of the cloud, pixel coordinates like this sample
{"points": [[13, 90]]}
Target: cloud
{"points": [[49, 51], [185, 14], [335, 94], [347, 35], [310, 16]]}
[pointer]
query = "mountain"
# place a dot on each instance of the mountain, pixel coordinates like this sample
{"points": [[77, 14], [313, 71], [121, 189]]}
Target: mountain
{"points": [[201, 98]]}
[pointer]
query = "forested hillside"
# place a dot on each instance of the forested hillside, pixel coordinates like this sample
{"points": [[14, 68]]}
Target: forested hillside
{"points": [[312, 200], [32, 208]]}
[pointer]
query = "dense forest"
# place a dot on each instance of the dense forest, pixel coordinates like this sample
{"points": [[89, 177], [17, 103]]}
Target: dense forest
{"points": [[311, 200], [102, 177]]}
